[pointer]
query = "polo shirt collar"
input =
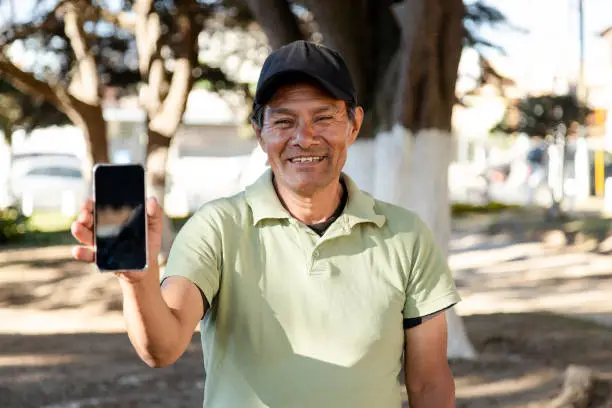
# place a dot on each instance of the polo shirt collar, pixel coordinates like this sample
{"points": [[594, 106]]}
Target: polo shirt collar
{"points": [[265, 204], [263, 200], [360, 206]]}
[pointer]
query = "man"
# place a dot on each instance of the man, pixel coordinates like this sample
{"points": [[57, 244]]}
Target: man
{"points": [[308, 291]]}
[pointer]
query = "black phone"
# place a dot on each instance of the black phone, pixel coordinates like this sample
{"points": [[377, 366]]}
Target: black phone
{"points": [[120, 221]]}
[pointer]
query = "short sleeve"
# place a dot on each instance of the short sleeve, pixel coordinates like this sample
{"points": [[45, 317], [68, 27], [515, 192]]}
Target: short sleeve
{"points": [[430, 286], [196, 254]]}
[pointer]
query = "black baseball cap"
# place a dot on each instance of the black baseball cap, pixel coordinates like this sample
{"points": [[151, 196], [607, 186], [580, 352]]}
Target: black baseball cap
{"points": [[304, 60]]}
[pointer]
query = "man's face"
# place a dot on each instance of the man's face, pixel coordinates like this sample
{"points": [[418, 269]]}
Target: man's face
{"points": [[306, 135]]}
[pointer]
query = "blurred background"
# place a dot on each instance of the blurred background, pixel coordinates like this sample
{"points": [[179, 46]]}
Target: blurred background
{"points": [[491, 119]]}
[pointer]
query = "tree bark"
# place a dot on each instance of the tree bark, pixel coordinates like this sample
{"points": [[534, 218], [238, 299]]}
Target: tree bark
{"points": [[93, 125], [345, 28], [277, 21], [432, 49]]}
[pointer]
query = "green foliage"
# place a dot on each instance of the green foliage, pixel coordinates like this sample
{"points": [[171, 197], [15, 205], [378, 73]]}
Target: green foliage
{"points": [[540, 115], [18, 110], [13, 226], [462, 209], [114, 49]]}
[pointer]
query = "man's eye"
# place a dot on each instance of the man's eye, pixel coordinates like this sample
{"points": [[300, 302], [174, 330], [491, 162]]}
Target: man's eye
{"points": [[323, 118], [282, 122]]}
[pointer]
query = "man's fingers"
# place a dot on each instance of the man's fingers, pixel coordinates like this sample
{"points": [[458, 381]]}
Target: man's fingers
{"points": [[83, 253], [153, 209], [88, 206], [155, 214], [85, 217], [82, 233]]}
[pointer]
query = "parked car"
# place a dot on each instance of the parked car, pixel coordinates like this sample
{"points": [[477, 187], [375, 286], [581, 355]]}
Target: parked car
{"points": [[56, 187]]}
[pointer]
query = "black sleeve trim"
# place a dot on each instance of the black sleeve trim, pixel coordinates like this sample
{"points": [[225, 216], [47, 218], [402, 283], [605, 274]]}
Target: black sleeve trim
{"points": [[412, 322], [204, 300]]}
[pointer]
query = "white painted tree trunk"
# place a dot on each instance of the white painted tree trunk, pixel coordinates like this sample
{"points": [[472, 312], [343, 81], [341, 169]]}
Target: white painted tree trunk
{"points": [[413, 172]]}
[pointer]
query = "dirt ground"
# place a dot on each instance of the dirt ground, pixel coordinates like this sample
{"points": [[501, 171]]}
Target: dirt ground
{"points": [[62, 342]]}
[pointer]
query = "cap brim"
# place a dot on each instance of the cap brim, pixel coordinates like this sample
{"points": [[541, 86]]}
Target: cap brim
{"points": [[270, 86]]}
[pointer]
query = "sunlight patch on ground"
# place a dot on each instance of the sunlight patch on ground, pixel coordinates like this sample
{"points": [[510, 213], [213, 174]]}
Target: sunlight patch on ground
{"points": [[472, 387], [29, 360], [28, 322]]}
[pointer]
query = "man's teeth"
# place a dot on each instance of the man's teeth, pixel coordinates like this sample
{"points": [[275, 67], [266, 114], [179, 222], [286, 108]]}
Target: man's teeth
{"points": [[307, 159]]}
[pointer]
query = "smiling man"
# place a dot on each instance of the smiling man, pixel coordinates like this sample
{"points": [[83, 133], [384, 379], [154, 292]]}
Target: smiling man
{"points": [[309, 292]]}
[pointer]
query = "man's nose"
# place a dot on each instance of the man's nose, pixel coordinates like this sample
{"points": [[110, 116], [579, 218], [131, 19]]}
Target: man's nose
{"points": [[305, 135]]}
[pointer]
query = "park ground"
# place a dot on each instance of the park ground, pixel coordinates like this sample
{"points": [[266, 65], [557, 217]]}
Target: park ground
{"points": [[537, 299]]}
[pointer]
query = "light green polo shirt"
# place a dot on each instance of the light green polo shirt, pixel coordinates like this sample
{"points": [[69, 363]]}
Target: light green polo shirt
{"points": [[298, 320]]}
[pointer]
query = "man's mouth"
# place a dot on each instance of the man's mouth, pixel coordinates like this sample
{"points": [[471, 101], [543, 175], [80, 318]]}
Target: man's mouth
{"points": [[307, 159]]}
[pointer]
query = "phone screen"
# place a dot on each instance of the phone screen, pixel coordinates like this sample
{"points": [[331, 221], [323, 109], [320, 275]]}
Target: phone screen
{"points": [[120, 217]]}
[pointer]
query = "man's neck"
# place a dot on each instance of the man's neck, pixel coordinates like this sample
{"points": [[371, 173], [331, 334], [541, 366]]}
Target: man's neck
{"points": [[313, 209]]}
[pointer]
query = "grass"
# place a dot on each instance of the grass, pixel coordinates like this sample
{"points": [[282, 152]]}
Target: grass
{"points": [[53, 228], [464, 210], [50, 222]]}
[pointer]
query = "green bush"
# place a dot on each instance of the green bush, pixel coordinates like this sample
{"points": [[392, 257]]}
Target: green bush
{"points": [[461, 209], [13, 225]]}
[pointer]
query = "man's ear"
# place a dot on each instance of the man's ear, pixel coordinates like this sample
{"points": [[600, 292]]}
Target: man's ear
{"points": [[257, 131], [356, 123]]}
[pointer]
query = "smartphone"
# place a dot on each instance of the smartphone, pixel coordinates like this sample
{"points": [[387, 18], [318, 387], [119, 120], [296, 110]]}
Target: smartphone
{"points": [[120, 222]]}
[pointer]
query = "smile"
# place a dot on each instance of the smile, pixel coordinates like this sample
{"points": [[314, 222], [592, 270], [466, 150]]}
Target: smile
{"points": [[309, 159]]}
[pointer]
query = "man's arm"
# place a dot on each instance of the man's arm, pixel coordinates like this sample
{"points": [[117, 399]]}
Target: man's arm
{"points": [[161, 320], [428, 378]]}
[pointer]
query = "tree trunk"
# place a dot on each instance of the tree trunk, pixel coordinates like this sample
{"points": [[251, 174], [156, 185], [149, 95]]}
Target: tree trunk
{"points": [[91, 121], [413, 110], [432, 33], [277, 21], [164, 102], [157, 158]]}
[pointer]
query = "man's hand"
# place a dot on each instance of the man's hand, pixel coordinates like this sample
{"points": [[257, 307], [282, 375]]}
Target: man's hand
{"points": [[429, 381], [159, 321], [82, 230]]}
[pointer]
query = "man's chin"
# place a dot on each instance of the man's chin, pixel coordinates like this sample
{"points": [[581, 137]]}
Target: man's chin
{"points": [[308, 187]]}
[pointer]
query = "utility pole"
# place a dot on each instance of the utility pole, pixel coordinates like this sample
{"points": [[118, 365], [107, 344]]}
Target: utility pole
{"points": [[581, 84]]}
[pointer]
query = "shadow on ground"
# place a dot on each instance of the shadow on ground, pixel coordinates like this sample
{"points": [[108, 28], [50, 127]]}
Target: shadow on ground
{"points": [[522, 360], [48, 278], [93, 370], [523, 357]]}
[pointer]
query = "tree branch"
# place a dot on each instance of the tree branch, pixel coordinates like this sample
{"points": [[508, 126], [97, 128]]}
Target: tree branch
{"points": [[37, 89], [27, 83], [147, 31], [277, 21], [85, 83], [122, 20], [167, 120]]}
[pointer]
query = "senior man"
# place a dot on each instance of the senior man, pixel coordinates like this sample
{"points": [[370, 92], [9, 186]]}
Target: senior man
{"points": [[308, 291]]}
